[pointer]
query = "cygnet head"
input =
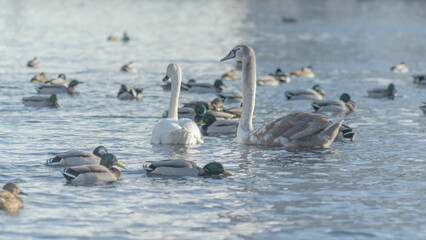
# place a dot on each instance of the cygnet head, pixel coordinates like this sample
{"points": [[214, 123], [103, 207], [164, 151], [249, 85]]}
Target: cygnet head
{"points": [[240, 53]]}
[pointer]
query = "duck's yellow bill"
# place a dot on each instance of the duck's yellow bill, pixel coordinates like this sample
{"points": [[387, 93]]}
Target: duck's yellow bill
{"points": [[200, 122], [120, 164], [225, 172]]}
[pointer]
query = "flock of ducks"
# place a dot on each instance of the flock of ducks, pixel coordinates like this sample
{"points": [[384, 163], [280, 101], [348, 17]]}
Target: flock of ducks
{"points": [[184, 126]]}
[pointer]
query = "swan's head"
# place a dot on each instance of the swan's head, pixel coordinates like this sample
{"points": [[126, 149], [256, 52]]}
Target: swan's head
{"points": [[239, 52], [172, 70]]}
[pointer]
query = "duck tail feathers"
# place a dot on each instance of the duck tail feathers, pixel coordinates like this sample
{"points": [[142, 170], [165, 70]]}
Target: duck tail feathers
{"points": [[315, 106], [288, 95], [53, 161], [149, 167], [69, 174]]}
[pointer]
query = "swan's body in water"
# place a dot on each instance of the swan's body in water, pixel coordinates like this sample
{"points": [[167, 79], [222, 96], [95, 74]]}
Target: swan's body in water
{"points": [[294, 129], [172, 130]]}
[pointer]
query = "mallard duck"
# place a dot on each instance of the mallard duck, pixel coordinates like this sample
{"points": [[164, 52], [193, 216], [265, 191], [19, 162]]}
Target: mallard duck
{"points": [[346, 132], [231, 75], [182, 113], [130, 67], [215, 105], [316, 93], [126, 38], [173, 130], [61, 79], [183, 87], [207, 87], [282, 76], [399, 68], [41, 101], [389, 92], [9, 201], [95, 173], [58, 88], [210, 125], [294, 129], [39, 78], [269, 80], [419, 78], [288, 20], [113, 38], [343, 105], [423, 108], [129, 94], [34, 63], [201, 109], [306, 72], [77, 158], [181, 168], [231, 96]]}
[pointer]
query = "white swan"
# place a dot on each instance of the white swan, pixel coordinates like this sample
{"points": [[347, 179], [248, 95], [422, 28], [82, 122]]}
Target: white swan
{"points": [[172, 130], [294, 129]]}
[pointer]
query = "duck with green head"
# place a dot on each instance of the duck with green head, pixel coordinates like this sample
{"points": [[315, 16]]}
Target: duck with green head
{"points": [[201, 109], [95, 173], [181, 168], [210, 125], [9, 201], [207, 87], [41, 101], [77, 158], [58, 88], [389, 92], [343, 105]]}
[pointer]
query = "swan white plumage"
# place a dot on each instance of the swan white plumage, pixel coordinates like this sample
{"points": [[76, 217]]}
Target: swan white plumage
{"points": [[171, 130], [294, 129]]}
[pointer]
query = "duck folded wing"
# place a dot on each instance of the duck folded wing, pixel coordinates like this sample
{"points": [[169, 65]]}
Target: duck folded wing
{"points": [[205, 85], [329, 102], [35, 99], [92, 168], [73, 153], [174, 163], [293, 126]]}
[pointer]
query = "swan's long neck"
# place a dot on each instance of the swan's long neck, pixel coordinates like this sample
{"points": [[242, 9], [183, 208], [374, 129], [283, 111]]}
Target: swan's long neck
{"points": [[249, 94], [174, 99]]}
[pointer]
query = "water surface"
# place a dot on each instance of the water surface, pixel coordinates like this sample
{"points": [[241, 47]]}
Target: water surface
{"points": [[373, 188]]}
